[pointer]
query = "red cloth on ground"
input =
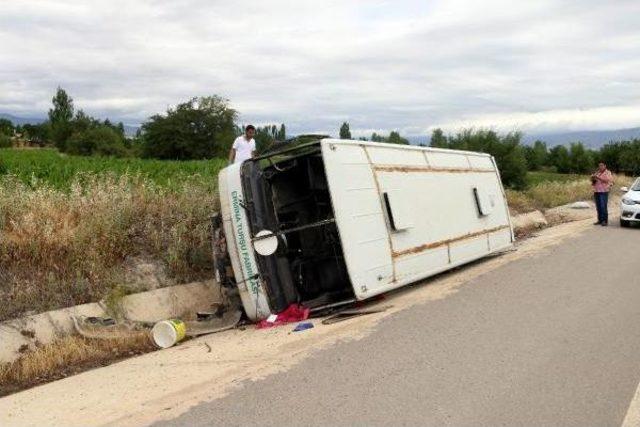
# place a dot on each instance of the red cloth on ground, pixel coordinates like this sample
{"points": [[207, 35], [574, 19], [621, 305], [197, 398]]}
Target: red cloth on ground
{"points": [[293, 313]]}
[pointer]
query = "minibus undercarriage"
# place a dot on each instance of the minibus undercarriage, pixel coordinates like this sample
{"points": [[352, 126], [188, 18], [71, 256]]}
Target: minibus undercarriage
{"points": [[287, 193]]}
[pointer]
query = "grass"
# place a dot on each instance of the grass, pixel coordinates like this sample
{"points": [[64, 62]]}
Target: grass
{"points": [[47, 166], [70, 234], [67, 356], [547, 190], [538, 177]]}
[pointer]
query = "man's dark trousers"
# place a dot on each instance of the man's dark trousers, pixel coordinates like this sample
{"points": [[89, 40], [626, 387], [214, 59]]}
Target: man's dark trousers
{"points": [[602, 200]]}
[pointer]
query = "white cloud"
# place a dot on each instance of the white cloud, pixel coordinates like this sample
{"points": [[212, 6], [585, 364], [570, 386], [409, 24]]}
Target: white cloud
{"points": [[408, 65]]}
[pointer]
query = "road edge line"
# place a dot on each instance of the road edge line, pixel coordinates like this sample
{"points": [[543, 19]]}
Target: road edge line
{"points": [[632, 418]]}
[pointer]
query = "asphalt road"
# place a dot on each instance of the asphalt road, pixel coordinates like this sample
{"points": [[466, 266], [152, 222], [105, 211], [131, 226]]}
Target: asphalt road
{"points": [[549, 340]]}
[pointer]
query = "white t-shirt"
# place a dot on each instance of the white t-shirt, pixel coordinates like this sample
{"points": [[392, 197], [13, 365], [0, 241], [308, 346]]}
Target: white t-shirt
{"points": [[243, 148]]}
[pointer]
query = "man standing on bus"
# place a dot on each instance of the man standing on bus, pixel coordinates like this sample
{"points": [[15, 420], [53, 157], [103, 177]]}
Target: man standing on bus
{"points": [[602, 181], [244, 147]]}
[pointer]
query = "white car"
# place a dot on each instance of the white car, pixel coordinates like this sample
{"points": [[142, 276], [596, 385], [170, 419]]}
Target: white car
{"points": [[630, 204]]}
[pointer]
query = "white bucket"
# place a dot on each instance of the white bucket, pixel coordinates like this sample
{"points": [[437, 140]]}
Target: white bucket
{"points": [[168, 332]]}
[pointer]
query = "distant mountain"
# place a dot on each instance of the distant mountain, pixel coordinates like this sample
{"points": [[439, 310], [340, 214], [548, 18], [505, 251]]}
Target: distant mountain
{"points": [[592, 138], [22, 120]]}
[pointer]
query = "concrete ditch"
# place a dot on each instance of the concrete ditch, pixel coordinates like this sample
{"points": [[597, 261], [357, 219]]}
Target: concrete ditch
{"points": [[27, 333]]}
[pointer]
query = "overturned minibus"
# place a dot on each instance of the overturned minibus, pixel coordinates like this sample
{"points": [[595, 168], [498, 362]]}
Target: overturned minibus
{"points": [[334, 221]]}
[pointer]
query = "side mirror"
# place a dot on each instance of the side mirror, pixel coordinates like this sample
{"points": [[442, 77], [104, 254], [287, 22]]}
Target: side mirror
{"points": [[625, 189]]}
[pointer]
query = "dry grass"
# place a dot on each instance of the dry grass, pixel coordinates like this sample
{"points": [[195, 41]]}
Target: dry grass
{"points": [[67, 356], [550, 194], [61, 248]]}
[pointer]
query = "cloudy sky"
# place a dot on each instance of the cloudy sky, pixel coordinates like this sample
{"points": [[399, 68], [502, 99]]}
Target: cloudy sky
{"points": [[535, 66]]}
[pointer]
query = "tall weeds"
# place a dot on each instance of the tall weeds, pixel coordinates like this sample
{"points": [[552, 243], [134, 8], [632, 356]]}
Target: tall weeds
{"points": [[549, 194], [60, 248]]}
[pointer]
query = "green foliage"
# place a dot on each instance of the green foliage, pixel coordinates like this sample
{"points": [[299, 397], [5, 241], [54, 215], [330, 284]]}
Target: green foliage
{"points": [[60, 118], [629, 158], [438, 139], [267, 136], [537, 177], [48, 166], [506, 149], [393, 138], [580, 158], [39, 134], [101, 140], [537, 155], [621, 156], [559, 158], [6, 127], [5, 140], [200, 128], [345, 133], [83, 122]]}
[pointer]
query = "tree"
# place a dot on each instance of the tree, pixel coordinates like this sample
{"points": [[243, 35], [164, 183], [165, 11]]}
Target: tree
{"points": [[506, 149], [82, 122], [559, 158], [264, 138], [537, 155], [345, 133], [5, 140], [6, 127], [629, 159], [395, 138], [610, 154], [37, 134], [438, 139], [580, 159], [377, 138], [60, 118], [102, 140], [282, 133], [197, 129]]}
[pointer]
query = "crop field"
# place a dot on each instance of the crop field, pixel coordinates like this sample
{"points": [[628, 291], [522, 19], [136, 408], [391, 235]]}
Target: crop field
{"points": [[89, 223], [47, 166]]}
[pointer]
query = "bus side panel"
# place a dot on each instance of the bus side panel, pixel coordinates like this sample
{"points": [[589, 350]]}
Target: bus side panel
{"points": [[437, 209]]}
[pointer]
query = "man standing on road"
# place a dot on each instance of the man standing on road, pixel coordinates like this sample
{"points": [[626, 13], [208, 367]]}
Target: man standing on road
{"points": [[602, 181], [244, 147]]}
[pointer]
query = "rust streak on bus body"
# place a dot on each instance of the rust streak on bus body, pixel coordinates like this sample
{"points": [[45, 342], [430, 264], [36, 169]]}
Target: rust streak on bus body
{"points": [[434, 245]]}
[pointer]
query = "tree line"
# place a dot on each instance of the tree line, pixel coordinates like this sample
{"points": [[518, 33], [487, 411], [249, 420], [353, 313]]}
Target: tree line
{"points": [[205, 127], [393, 137], [200, 128], [514, 159]]}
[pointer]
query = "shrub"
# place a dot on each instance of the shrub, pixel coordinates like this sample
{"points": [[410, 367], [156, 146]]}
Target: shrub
{"points": [[5, 141], [506, 149], [200, 128], [101, 140]]}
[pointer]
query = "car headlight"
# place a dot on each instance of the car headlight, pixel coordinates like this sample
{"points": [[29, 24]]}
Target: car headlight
{"points": [[629, 201]]}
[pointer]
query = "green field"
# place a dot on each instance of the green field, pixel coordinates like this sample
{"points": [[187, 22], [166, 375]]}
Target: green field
{"points": [[537, 177], [48, 166]]}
